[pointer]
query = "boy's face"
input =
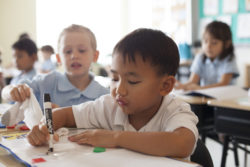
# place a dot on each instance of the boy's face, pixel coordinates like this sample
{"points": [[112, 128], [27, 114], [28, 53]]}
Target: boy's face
{"points": [[136, 87], [77, 53], [211, 46], [23, 60]]}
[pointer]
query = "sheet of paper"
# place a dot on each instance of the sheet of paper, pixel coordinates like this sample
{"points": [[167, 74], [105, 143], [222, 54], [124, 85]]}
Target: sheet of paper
{"points": [[220, 93], [230, 6], [4, 107], [243, 26], [73, 154], [211, 7]]}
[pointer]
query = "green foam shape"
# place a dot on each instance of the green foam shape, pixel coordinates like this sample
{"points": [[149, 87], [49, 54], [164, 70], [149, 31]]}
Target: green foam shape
{"points": [[99, 149]]}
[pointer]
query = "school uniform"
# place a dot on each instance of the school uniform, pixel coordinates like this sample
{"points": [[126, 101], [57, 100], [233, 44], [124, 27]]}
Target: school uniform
{"points": [[48, 65], [62, 92], [105, 113], [23, 76], [210, 72]]}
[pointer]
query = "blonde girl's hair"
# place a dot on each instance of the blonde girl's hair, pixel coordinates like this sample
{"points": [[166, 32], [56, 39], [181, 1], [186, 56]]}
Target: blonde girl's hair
{"points": [[79, 28]]}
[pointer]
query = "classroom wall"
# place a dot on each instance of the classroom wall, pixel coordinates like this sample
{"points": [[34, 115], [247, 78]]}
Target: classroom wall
{"points": [[16, 17]]}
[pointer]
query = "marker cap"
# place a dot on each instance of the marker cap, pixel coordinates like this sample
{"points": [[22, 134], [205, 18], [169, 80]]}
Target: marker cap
{"points": [[46, 97]]}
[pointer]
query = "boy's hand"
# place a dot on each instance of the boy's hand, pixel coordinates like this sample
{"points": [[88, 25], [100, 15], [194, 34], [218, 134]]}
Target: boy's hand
{"points": [[192, 87], [98, 138], [20, 93], [55, 105], [39, 135], [178, 85]]}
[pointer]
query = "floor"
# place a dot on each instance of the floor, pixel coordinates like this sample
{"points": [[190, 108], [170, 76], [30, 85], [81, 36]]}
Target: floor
{"points": [[215, 150]]}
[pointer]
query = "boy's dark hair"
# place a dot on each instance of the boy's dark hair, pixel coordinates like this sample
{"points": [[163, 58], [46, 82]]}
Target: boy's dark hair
{"points": [[23, 35], [153, 46], [221, 31], [27, 45], [47, 48]]}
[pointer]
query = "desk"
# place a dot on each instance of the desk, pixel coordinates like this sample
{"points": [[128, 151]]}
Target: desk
{"points": [[82, 155], [232, 117], [5, 157], [203, 111]]}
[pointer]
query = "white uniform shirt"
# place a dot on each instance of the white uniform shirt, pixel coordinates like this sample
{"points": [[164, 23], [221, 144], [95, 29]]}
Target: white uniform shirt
{"points": [[105, 113]]}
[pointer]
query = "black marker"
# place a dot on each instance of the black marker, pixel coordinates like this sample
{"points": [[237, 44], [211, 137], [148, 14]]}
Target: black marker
{"points": [[48, 115]]}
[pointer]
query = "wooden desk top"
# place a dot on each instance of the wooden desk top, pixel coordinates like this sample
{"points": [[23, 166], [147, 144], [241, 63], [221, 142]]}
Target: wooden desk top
{"points": [[240, 103], [8, 160], [193, 99], [185, 62]]}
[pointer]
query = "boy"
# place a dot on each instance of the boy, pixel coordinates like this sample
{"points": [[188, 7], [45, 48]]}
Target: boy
{"points": [[25, 54], [139, 114], [77, 49], [47, 51]]}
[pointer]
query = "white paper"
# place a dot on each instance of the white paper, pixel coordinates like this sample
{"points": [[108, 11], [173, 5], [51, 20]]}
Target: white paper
{"points": [[211, 7], [75, 155], [230, 6], [219, 93], [4, 107], [243, 26]]}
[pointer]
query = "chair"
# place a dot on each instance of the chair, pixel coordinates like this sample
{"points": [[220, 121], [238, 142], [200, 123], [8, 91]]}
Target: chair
{"points": [[201, 155]]}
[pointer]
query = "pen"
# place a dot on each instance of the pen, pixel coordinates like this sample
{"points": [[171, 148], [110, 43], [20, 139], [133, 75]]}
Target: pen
{"points": [[48, 115]]}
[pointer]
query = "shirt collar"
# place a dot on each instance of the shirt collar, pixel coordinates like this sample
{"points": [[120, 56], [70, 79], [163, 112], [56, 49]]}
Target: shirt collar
{"points": [[29, 74], [216, 61], [90, 91]]}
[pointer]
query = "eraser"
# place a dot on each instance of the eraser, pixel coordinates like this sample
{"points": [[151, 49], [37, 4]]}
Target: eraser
{"points": [[11, 127], [38, 160], [99, 149], [24, 127]]}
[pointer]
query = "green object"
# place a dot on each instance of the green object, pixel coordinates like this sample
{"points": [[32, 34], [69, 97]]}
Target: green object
{"points": [[99, 149]]}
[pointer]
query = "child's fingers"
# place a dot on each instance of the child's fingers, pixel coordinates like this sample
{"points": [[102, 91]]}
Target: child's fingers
{"points": [[55, 105], [26, 90], [43, 128], [36, 137], [77, 137], [15, 95], [22, 91], [84, 141], [56, 137]]}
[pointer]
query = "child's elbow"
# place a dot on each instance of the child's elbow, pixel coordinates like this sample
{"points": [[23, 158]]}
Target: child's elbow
{"points": [[186, 149]]}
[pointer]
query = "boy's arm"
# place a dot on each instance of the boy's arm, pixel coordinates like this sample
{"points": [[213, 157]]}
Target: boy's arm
{"points": [[225, 80], [62, 117], [178, 143], [192, 83]]}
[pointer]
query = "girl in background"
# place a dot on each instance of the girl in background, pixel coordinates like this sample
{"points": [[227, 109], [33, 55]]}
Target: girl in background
{"points": [[217, 65]]}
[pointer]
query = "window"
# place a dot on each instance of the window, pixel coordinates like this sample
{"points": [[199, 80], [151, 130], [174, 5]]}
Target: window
{"points": [[110, 20]]}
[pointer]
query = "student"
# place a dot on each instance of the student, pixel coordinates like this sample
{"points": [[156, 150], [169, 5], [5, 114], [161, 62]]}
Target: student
{"points": [[47, 65], [24, 35], [25, 54], [217, 65], [77, 50], [2, 80], [139, 114]]}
